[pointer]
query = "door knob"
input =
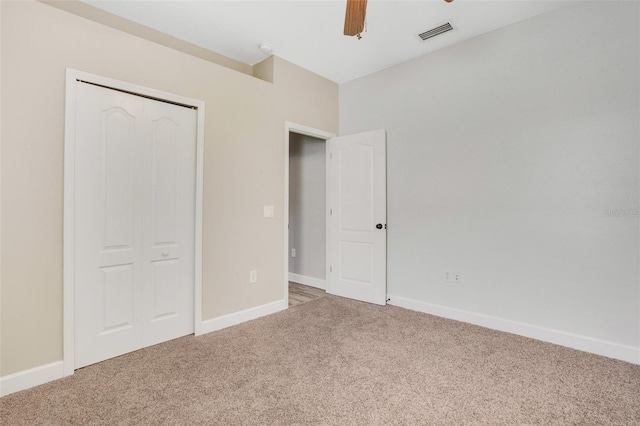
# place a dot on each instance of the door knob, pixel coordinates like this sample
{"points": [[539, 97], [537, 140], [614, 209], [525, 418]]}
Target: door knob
{"points": [[165, 253], [379, 226]]}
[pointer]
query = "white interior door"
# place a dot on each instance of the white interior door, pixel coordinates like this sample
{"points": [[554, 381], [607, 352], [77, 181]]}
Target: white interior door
{"points": [[357, 236], [134, 212]]}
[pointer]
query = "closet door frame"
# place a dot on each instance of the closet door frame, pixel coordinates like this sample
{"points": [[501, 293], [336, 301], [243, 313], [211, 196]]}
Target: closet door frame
{"points": [[72, 77]]}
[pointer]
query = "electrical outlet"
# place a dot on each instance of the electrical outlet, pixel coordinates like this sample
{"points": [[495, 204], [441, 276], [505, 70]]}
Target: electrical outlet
{"points": [[253, 276], [293, 252], [452, 277]]}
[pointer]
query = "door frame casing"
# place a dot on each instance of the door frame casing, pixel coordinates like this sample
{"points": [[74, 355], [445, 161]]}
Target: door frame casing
{"points": [[72, 76], [300, 129]]}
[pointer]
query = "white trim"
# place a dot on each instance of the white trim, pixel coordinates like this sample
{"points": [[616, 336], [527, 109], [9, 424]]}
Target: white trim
{"points": [[236, 318], [575, 341], [328, 271], [197, 307], [68, 269], [69, 199], [310, 281], [0, 183], [29, 378], [307, 131]]}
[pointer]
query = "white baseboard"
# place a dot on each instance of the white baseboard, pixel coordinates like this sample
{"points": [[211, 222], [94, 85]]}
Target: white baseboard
{"points": [[575, 341], [310, 281], [239, 317], [29, 378]]}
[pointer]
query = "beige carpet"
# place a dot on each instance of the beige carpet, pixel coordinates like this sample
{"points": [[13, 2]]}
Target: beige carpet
{"points": [[334, 361]]}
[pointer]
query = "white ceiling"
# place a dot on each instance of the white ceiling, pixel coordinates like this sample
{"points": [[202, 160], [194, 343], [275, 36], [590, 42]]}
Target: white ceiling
{"points": [[309, 33]]}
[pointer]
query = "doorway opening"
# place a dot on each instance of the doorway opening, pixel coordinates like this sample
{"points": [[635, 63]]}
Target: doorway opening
{"points": [[355, 231], [305, 214]]}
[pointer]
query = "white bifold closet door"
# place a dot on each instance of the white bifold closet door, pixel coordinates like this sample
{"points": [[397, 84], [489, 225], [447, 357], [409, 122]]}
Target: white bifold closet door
{"points": [[134, 215]]}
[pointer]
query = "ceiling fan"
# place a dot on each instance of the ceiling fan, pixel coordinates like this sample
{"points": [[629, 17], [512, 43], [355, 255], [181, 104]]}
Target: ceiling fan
{"points": [[355, 17]]}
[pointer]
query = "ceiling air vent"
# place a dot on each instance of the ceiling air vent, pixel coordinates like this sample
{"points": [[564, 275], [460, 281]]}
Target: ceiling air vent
{"points": [[435, 31]]}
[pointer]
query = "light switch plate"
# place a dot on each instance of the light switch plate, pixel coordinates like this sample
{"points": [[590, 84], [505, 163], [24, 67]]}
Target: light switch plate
{"points": [[268, 211]]}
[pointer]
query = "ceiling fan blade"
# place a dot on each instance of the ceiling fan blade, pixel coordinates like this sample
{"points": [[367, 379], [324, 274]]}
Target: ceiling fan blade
{"points": [[354, 17]]}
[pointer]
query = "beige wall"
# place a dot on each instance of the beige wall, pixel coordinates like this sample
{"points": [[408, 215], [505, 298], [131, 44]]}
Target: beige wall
{"points": [[78, 7], [244, 164]]}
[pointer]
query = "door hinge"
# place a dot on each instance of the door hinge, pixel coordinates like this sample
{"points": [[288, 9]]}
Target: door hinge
{"points": [[330, 212], [330, 156], [330, 268]]}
